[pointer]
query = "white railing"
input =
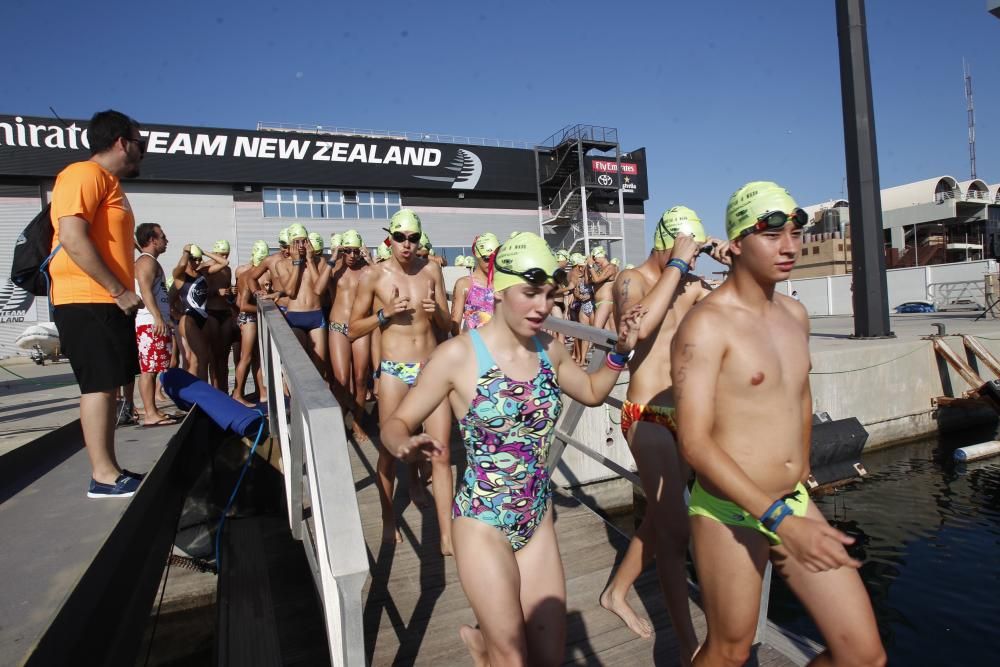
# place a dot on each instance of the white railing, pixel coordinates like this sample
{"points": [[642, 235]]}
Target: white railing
{"points": [[959, 294], [319, 484]]}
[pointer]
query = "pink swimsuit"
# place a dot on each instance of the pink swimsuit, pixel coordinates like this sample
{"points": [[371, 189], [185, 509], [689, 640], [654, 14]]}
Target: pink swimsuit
{"points": [[478, 306]]}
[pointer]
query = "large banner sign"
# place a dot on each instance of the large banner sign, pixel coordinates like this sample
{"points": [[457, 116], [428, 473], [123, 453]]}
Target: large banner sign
{"points": [[603, 171], [31, 146]]}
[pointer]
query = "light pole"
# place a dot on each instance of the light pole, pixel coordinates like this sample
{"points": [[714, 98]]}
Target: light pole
{"points": [[871, 304]]}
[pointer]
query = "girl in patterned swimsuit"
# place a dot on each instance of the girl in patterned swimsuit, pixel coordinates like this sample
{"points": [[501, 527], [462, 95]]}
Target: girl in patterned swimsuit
{"points": [[472, 306], [507, 379]]}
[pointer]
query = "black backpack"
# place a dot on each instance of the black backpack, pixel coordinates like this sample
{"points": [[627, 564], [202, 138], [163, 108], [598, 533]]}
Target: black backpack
{"points": [[29, 267]]}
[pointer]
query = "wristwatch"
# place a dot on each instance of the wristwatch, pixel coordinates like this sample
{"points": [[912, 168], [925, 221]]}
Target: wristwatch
{"points": [[297, 262]]}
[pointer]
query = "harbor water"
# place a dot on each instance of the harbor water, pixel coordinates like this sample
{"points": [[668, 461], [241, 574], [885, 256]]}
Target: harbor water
{"points": [[928, 533]]}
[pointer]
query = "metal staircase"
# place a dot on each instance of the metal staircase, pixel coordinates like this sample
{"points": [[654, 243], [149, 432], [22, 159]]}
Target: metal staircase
{"points": [[565, 186]]}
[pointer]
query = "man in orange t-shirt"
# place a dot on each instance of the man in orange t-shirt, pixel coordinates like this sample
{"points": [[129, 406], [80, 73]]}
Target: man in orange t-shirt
{"points": [[93, 279]]}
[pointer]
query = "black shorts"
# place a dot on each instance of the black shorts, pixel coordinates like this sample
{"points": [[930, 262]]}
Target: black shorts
{"points": [[99, 340]]}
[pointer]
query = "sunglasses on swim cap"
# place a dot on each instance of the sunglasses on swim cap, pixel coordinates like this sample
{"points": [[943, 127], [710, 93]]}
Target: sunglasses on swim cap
{"points": [[537, 277], [777, 220], [400, 237]]}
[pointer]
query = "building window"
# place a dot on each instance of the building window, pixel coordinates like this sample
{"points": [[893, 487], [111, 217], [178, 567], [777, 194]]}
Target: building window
{"points": [[330, 204]]}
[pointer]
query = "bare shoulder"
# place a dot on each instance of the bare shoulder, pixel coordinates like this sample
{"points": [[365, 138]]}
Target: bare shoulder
{"points": [[710, 319], [433, 268], [794, 308]]}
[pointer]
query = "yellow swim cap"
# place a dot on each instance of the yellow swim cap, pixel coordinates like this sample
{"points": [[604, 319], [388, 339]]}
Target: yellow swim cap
{"points": [[616, 261], [753, 201], [336, 240], [283, 236], [519, 254], [221, 247], [404, 220], [598, 251], [297, 231], [577, 259], [195, 251], [316, 239], [258, 252], [678, 220], [562, 254], [383, 252], [630, 266], [485, 244], [350, 239]]}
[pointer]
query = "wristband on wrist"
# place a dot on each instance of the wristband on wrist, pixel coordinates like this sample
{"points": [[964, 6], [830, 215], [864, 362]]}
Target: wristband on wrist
{"points": [[775, 514], [680, 265], [115, 296], [382, 319], [620, 359], [612, 365]]}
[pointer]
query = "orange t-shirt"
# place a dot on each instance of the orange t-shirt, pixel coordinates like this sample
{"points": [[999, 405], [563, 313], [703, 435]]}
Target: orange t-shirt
{"points": [[87, 190]]}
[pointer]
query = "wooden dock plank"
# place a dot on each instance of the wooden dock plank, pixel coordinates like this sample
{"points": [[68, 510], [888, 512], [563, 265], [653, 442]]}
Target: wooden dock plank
{"points": [[414, 603]]}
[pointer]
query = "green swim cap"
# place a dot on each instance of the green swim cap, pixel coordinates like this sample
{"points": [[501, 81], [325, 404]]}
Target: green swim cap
{"points": [[425, 241], [258, 252], [221, 247], [336, 240], [562, 254], [753, 200], [316, 239], [577, 259], [404, 220], [350, 239], [485, 244], [616, 261], [283, 236], [598, 251], [678, 220], [383, 252], [630, 266], [297, 231], [195, 252], [520, 253], [459, 260]]}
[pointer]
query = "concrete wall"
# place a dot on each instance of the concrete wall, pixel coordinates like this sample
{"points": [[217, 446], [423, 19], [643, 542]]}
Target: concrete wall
{"points": [[831, 295], [887, 385]]}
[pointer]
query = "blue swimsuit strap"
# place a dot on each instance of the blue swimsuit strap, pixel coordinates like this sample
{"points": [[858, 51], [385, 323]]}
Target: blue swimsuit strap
{"points": [[485, 360]]}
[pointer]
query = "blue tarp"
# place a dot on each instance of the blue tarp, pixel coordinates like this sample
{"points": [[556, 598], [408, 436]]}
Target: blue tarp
{"points": [[186, 390]]}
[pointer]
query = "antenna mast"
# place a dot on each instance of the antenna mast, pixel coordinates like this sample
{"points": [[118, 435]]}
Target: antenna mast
{"points": [[972, 118]]}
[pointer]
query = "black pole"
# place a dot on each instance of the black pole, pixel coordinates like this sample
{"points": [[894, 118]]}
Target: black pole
{"points": [[871, 304]]}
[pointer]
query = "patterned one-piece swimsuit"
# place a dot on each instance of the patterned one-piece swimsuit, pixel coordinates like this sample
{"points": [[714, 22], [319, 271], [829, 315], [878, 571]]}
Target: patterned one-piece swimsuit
{"points": [[478, 306], [507, 432]]}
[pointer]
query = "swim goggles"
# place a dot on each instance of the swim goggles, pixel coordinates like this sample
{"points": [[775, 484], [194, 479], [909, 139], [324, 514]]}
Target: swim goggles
{"points": [[777, 220], [537, 277], [400, 237]]}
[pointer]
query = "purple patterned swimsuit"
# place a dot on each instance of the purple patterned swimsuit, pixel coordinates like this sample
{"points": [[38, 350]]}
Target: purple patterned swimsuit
{"points": [[507, 432], [478, 306]]}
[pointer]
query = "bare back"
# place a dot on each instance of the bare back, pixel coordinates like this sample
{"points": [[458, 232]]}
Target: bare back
{"points": [[649, 379]]}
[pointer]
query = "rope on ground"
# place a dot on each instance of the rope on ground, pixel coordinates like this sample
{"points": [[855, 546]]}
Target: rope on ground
{"points": [[864, 368]]}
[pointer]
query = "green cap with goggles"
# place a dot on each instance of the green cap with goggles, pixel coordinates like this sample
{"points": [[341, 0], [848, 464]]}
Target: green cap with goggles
{"points": [[761, 205], [283, 237], [678, 220], [525, 259], [404, 220]]}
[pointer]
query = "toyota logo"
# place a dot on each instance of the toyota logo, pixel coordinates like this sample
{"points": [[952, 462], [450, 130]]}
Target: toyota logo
{"points": [[605, 180]]}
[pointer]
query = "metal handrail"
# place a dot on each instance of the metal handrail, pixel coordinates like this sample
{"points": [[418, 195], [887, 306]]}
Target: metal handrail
{"points": [[581, 131], [319, 483], [403, 135]]}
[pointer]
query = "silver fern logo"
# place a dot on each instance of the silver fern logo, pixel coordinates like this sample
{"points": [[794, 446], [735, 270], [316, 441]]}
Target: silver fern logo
{"points": [[14, 299], [467, 168]]}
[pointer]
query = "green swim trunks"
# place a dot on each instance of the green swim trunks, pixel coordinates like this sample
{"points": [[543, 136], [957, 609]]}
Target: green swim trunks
{"points": [[705, 504]]}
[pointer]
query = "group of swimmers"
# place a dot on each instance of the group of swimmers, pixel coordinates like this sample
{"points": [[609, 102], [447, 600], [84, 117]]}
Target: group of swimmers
{"points": [[718, 385]]}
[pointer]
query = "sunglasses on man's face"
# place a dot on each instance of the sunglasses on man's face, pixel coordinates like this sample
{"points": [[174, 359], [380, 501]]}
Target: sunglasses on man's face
{"points": [[537, 277], [400, 237], [776, 220], [140, 142]]}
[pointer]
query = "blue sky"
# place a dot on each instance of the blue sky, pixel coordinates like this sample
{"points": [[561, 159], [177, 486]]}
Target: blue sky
{"points": [[720, 93]]}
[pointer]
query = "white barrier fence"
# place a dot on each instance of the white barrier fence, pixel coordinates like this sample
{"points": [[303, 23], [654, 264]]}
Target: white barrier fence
{"points": [[944, 285], [319, 484]]}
